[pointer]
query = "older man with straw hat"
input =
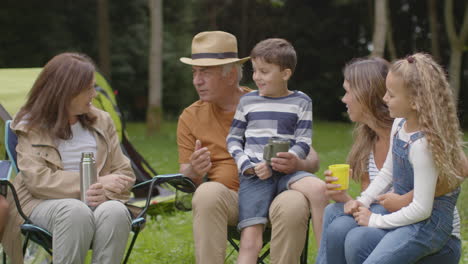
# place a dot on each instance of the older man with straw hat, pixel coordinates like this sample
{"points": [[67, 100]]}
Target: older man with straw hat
{"points": [[201, 139]]}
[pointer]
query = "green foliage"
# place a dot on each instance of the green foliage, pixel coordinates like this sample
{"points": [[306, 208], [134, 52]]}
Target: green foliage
{"points": [[168, 238], [326, 34]]}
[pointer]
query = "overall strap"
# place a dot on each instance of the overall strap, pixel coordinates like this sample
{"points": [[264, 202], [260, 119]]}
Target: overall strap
{"points": [[400, 125]]}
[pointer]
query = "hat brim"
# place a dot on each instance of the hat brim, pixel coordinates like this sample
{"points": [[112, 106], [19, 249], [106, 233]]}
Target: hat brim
{"points": [[212, 62]]}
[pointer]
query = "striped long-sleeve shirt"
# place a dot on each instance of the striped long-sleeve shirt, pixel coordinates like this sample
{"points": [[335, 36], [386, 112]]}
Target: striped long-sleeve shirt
{"points": [[258, 118]]}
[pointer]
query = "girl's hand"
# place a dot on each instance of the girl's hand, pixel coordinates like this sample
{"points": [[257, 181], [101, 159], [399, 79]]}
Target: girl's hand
{"points": [[362, 216], [95, 195], [263, 171], [116, 183], [352, 206], [285, 162], [339, 196], [393, 202]]}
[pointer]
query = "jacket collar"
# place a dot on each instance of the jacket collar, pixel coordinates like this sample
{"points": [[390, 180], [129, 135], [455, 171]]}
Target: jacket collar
{"points": [[41, 138]]}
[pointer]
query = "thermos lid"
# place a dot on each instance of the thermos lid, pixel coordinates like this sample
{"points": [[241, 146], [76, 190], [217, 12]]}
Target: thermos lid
{"points": [[87, 155]]}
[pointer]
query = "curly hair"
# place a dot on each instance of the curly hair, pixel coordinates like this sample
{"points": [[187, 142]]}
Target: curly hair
{"points": [[366, 78], [432, 97]]}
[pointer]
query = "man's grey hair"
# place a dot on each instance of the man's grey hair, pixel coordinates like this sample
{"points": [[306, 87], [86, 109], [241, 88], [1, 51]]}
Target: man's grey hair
{"points": [[228, 67]]}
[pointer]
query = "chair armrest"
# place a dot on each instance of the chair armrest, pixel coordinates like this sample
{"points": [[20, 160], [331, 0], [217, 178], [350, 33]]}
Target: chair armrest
{"points": [[7, 183], [178, 181]]}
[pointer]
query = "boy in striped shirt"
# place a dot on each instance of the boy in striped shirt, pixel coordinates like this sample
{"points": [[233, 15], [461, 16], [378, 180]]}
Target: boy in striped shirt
{"points": [[271, 111]]}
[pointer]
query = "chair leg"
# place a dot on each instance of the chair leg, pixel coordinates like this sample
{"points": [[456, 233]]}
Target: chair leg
{"points": [[233, 244], [306, 245], [25, 244], [259, 260], [4, 257], [129, 251], [263, 256]]}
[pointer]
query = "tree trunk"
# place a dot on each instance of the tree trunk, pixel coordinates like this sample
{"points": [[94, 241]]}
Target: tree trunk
{"points": [[457, 43], [434, 27], [456, 56], [154, 111], [104, 38], [244, 29], [390, 41], [380, 28]]}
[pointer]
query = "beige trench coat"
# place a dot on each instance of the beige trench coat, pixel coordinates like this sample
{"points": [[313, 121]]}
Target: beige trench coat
{"points": [[42, 177]]}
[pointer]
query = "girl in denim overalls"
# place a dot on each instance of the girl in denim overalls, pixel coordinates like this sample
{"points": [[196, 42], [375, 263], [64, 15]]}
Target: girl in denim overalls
{"points": [[426, 156]]}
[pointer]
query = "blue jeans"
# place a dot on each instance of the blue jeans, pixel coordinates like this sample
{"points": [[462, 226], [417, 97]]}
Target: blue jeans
{"points": [[362, 241], [336, 225], [407, 244], [256, 195]]}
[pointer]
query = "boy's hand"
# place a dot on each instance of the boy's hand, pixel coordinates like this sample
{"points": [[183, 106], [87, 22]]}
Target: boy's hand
{"points": [[285, 162], [263, 171], [362, 216]]}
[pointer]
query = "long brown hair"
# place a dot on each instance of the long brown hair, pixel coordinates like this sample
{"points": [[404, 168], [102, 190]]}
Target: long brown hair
{"points": [[366, 78], [47, 106], [432, 96]]}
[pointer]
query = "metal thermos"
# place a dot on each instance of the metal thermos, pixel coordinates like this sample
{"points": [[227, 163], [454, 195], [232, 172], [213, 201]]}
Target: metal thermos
{"points": [[88, 173]]}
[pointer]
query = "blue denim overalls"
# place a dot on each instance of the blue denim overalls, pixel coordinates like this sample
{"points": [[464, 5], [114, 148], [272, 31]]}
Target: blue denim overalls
{"points": [[407, 244]]}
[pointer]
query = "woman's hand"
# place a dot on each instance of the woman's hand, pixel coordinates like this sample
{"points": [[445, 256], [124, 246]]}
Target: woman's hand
{"points": [[362, 216], [339, 196], [116, 183], [95, 195], [263, 171], [352, 206], [393, 202]]}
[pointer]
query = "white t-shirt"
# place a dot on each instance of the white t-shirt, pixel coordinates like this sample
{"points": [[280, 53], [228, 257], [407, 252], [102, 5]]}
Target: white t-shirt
{"points": [[70, 150]]}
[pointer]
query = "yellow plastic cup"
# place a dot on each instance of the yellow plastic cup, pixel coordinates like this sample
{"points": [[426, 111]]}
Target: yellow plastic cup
{"points": [[340, 171]]}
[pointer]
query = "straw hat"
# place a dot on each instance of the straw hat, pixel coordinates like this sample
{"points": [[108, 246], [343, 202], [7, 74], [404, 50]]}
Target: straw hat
{"points": [[213, 48]]}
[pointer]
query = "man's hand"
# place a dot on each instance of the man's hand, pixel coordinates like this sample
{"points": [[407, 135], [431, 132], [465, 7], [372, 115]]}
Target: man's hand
{"points": [[95, 195], [352, 206], [116, 183], [200, 160], [263, 171], [393, 202], [362, 216]]}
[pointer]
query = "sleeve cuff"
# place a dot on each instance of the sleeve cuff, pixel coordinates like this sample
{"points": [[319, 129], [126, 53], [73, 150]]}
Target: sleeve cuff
{"points": [[364, 200], [373, 220]]}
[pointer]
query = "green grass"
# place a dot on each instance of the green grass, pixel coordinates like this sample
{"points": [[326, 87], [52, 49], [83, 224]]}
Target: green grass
{"points": [[168, 237]]}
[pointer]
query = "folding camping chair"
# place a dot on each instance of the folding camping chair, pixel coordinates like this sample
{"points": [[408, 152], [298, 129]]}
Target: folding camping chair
{"points": [[44, 238], [233, 235], [234, 238], [106, 101]]}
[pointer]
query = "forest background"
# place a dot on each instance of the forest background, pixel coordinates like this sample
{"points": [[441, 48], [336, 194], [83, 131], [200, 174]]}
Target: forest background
{"points": [[137, 44]]}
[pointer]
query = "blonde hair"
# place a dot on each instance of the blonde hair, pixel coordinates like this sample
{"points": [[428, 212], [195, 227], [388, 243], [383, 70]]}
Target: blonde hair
{"points": [[432, 97], [366, 78]]}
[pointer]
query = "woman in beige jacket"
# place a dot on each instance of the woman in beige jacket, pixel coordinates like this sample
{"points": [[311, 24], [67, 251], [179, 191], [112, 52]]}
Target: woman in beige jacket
{"points": [[55, 125]]}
